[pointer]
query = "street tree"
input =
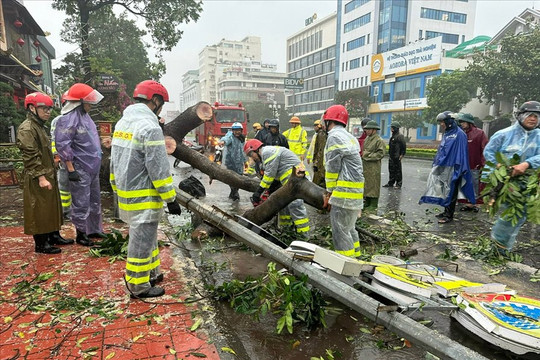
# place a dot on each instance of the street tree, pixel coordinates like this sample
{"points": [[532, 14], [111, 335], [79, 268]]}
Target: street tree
{"points": [[356, 101], [9, 114], [409, 121], [511, 73], [449, 92], [161, 17]]}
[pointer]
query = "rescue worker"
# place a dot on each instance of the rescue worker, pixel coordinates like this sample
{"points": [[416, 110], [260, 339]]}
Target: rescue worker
{"points": [[476, 141], [344, 181], [234, 154], [141, 177], [450, 172], [318, 155], [522, 139], [277, 163], [371, 159], [397, 147], [63, 181], [274, 138], [309, 153], [42, 208], [256, 128], [297, 138], [79, 147]]}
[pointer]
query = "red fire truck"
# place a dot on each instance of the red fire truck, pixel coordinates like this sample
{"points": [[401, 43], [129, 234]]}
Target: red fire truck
{"points": [[223, 117]]}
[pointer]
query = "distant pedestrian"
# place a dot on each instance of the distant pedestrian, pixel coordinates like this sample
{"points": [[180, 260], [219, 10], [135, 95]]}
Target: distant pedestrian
{"points": [[234, 154], [476, 140], [522, 139], [344, 181], [396, 151], [141, 176], [374, 148], [79, 147], [42, 208], [318, 155], [363, 137], [297, 138], [274, 138], [256, 128], [450, 172], [261, 134]]}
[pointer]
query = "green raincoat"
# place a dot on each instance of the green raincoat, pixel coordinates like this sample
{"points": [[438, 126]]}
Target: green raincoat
{"points": [[371, 158]]}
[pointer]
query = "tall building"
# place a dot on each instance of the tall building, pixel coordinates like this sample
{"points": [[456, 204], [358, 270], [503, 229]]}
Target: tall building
{"points": [[214, 58], [367, 27], [311, 57], [191, 90]]}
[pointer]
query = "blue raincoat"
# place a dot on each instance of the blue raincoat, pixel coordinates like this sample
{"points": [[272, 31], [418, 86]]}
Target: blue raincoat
{"points": [[450, 165], [234, 153]]}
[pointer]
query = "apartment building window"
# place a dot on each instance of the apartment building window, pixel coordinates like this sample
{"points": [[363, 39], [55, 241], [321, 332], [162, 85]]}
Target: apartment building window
{"points": [[356, 23], [355, 63], [407, 89], [446, 38], [356, 43], [351, 5], [443, 15], [419, 34], [368, 36]]}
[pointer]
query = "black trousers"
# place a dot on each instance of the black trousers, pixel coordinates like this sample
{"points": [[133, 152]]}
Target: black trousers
{"points": [[394, 171], [451, 208]]}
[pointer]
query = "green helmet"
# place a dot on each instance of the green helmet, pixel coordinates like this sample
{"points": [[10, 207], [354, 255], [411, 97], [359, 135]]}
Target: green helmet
{"points": [[372, 124], [395, 124], [466, 117]]}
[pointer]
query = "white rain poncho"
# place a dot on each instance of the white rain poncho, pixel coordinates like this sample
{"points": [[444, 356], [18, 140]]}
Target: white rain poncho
{"points": [[140, 170], [344, 173]]}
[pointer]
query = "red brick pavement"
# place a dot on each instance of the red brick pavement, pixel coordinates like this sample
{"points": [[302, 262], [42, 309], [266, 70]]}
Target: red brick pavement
{"points": [[112, 327]]}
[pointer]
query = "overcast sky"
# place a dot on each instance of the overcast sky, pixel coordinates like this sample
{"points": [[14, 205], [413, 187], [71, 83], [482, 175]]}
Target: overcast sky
{"points": [[272, 20]]}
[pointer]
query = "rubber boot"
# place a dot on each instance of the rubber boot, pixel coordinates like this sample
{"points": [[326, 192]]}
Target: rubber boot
{"points": [[82, 239], [155, 291], [97, 236], [56, 239], [43, 246]]}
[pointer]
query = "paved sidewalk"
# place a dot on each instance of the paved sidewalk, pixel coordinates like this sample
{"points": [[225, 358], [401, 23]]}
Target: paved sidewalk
{"points": [[74, 306]]}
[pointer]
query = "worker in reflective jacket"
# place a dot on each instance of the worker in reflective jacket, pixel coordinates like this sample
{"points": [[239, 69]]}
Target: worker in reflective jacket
{"points": [[277, 163], [297, 138], [344, 181], [141, 178]]}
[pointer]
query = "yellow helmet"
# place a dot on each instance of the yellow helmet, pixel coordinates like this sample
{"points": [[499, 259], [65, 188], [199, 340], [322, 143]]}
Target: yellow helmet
{"points": [[257, 126], [317, 122], [295, 120]]}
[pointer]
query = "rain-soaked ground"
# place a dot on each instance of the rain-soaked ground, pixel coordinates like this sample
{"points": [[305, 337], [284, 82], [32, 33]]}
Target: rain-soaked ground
{"points": [[349, 335]]}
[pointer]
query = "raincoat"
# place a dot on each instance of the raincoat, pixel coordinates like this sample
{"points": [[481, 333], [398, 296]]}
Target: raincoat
{"points": [[345, 180], [42, 209], [234, 153], [277, 163], [451, 164], [512, 140], [397, 146], [371, 159], [141, 178], [77, 140], [275, 140], [297, 139], [62, 173], [318, 158]]}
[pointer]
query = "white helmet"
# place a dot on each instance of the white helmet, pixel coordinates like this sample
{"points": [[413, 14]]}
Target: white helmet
{"points": [[237, 126]]}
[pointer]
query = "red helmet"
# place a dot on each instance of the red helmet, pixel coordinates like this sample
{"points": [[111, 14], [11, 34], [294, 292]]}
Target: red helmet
{"points": [[84, 93], [37, 99], [337, 113], [149, 88], [252, 145]]}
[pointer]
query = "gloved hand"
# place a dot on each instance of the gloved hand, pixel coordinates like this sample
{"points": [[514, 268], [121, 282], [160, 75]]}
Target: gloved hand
{"points": [[74, 176], [256, 198], [174, 208]]}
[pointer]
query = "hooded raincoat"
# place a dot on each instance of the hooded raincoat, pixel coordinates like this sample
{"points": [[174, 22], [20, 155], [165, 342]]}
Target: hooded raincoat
{"points": [[278, 163], [42, 210], [451, 164], [77, 140], [234, 153], [141, 178], [345, 180], [512, 140]]}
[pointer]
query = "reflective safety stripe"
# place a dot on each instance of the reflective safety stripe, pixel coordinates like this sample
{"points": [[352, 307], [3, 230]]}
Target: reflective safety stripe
{"points": [[334, 147], [349, 253], [155, 143], [159, 183], [273, 156], [169, 194], [347, 195], [142, 268], [140, 206], [330, 185], [285, 175], [330, 175], [123, 135], [284, 216], [266, 182], [302, 229], [137, 281], [301, 221], [128, 194], [350, 184]]}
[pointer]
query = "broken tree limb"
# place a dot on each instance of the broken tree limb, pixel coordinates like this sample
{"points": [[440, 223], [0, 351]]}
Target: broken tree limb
{"points": [[187, 121]]}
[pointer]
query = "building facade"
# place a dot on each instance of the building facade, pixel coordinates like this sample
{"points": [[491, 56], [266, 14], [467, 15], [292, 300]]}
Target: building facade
{"points": [[367, 27], [191, 90], [311, 56], [226, 53]]}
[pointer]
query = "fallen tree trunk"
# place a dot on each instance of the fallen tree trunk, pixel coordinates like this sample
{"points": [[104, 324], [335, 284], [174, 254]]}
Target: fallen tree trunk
{"points": [[187, 121]]}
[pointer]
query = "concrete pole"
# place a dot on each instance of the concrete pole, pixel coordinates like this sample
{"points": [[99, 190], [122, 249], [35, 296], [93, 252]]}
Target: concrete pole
{"points": [[402, 325]]}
